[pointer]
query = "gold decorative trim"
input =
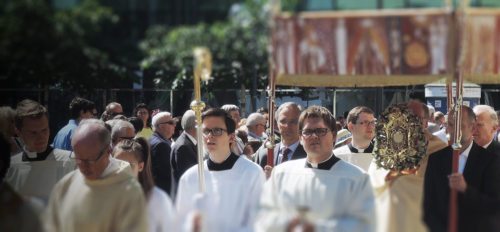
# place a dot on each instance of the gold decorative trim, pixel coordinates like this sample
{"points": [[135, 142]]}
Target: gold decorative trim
{"points": [[400, 141]]}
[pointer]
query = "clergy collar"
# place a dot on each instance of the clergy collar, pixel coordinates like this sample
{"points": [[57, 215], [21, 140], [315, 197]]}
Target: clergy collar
{"points": [[488, 144], [225, 165], [33, 156], [325, 165], [353, 149]]}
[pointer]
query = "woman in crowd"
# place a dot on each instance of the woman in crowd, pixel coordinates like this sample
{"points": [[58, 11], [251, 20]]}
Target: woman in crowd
{"points": [[141, 111], [160, 209]]}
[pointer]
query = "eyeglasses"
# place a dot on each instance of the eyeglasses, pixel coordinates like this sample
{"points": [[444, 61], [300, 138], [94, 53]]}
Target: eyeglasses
{"points": [[142, 112], [169, 122], [126, 138], [113, 114], [368, 123], [88, 161], [320, 132], [289, 122], [214, 131]]}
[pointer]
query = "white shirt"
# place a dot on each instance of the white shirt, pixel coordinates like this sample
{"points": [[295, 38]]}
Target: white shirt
{"points": [[230, 201], [160, 211], [191, 138], [463, 159]]}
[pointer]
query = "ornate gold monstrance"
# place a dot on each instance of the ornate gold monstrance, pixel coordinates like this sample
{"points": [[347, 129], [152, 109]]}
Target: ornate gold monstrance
{"points": [[400, 142]]}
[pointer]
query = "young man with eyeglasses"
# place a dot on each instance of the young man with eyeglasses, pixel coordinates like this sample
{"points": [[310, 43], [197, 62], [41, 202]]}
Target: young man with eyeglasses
{"points": [[320, 192], [161, 147], [35, 170], [232, 182], [103, 194], [361, 123], [80, 109]]}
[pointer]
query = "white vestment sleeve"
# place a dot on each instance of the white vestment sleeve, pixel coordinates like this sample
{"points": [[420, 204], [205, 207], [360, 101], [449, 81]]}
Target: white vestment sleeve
{"points": [[271, 217], [253, 205], [361, 212]]}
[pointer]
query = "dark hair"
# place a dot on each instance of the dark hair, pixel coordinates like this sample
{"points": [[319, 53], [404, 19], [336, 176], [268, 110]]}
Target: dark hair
{"points": [[137, 123], [140, 148], [28, 109], [143, 106], [321, 113], [353, 115], [4, 157], [263, 110], [216, 112], [78, 104]]}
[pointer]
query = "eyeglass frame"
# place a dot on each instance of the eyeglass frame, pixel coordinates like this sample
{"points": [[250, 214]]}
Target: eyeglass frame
{"points": [[367, 123], [87, 161], [212, 131], [171, 122], [320, 132]]}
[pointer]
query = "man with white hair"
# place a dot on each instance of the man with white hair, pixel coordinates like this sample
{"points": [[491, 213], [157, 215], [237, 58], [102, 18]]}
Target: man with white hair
{"points": [[233, 111], [102, 195], [121, 130], [256, 124], [486, 127], [163, 129], [184, 151], [432, 127]]}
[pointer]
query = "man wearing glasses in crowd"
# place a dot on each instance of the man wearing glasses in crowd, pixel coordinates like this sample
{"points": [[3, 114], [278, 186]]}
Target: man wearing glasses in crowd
{"points": [[232, 182], [320, 192], [102, 195], [121, 130], [361, 123], [112, 109], [163, 129]]}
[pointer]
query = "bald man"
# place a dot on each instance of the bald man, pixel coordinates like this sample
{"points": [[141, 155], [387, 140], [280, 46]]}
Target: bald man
{"points": [[102, 194]]}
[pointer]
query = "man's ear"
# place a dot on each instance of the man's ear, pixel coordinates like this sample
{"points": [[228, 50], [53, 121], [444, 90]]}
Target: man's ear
{"points": [[349, 126], [232, 137]]}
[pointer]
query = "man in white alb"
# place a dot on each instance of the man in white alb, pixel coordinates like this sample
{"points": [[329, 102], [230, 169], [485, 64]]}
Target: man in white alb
{"points": [[320, 192], [361, 123], [233, 183]]}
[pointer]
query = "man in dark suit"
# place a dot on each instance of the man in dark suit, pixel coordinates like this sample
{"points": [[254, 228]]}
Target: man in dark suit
{"points": [[486, 126], [163, 129], [184, 151], [477, 183], [287, 117]]}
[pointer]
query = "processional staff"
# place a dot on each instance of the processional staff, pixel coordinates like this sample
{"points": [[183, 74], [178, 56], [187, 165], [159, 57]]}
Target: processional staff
{"points": [[460, 32], [270, 143], [202, 71]]}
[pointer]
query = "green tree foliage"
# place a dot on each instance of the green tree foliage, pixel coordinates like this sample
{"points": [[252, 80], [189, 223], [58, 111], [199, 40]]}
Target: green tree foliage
{"points": [[41, 46], [238, 46]]}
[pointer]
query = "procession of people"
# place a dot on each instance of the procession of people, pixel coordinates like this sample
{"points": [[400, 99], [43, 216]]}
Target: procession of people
{"points": [[105, 175]]}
